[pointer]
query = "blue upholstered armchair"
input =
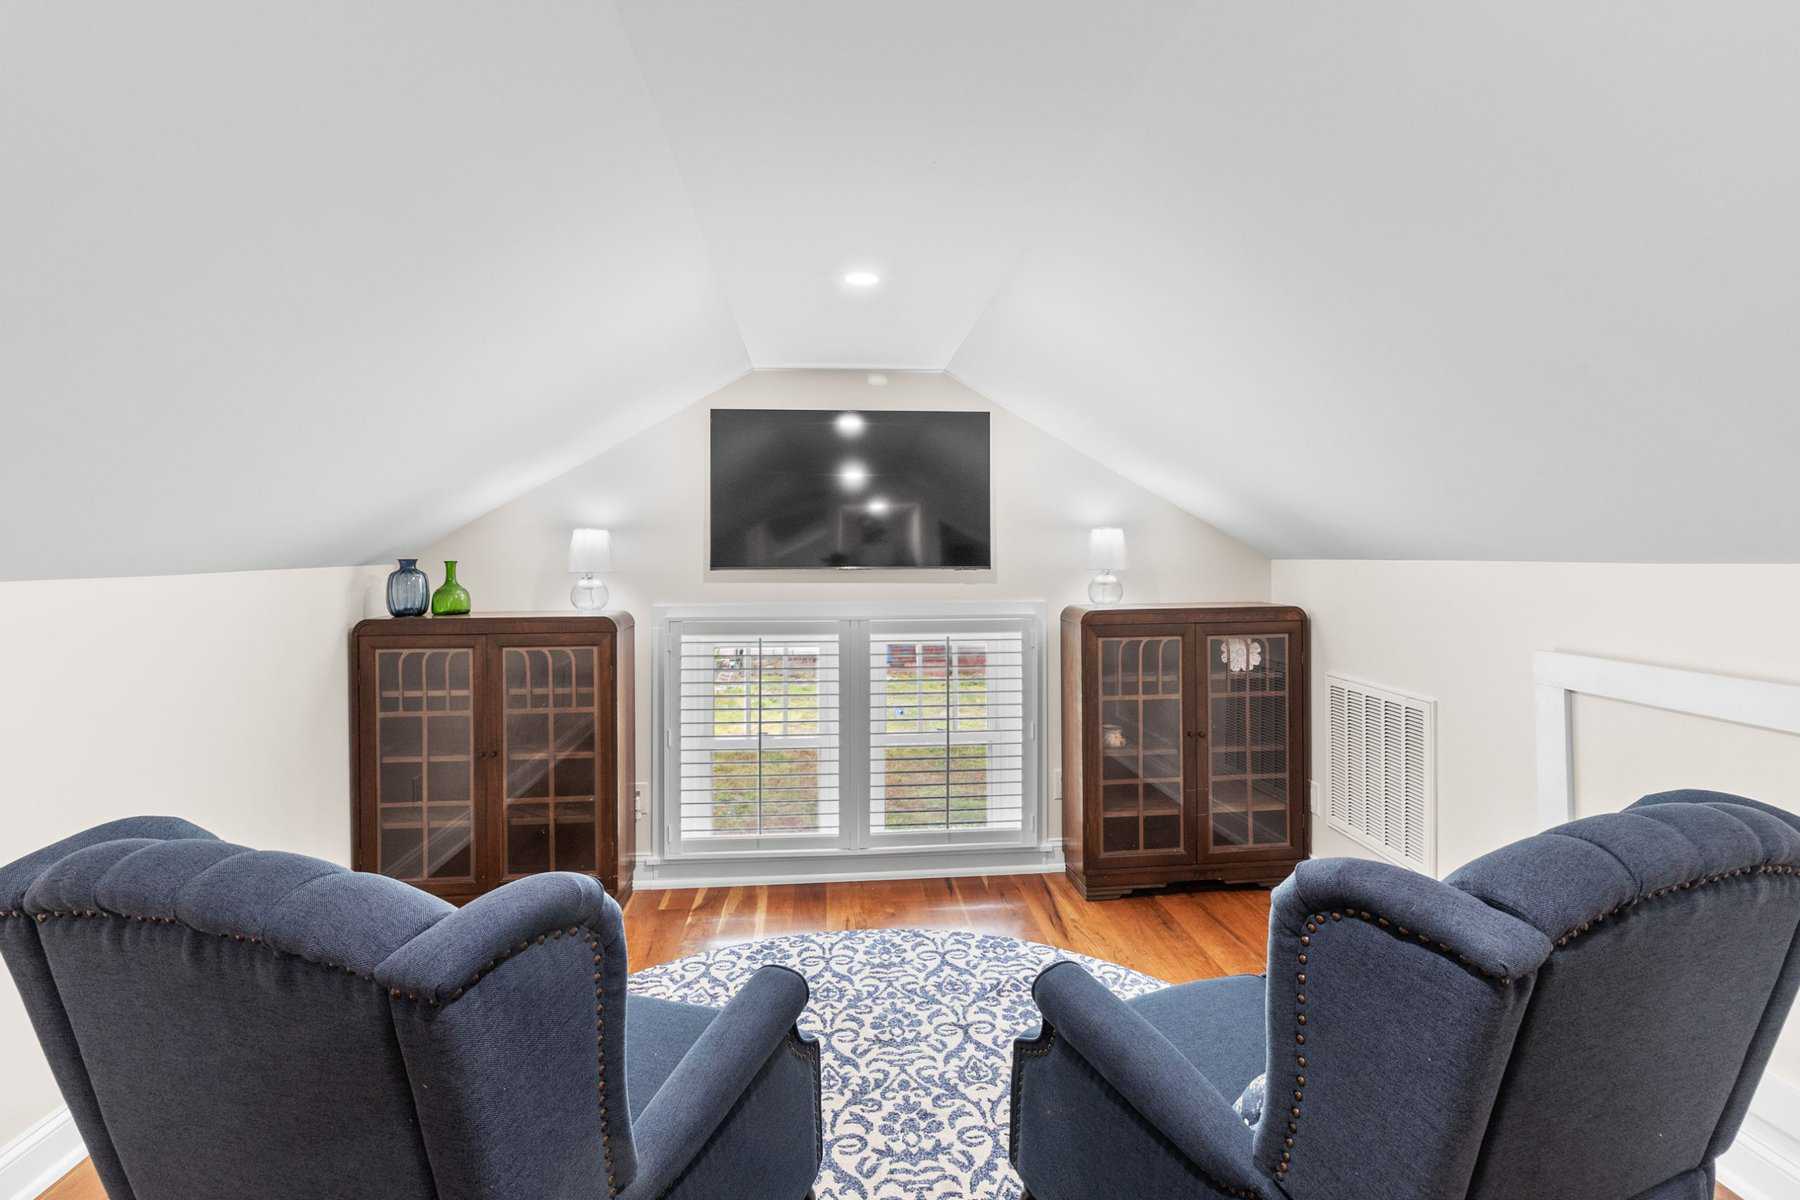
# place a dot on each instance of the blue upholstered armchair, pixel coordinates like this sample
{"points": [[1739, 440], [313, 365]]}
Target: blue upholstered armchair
{"points": [[226, 1023], [1583, 1015]]}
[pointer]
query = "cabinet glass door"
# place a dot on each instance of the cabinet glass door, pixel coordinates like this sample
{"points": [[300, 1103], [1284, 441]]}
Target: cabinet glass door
{"points": [[1143, 768], [1249, 743], [425, 763], [551, 773]]}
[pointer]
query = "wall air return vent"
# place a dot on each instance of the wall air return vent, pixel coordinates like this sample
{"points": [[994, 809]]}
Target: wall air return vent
{"points": [[1382, 789]]}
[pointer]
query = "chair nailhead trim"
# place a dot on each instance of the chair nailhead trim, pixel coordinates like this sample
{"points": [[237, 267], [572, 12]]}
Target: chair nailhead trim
{"points": [[1316, 921], [241, 938], [593, 940], [1688, 885]]}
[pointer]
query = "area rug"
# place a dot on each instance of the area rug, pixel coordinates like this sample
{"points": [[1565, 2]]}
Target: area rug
{"points": [[916, 1029]]}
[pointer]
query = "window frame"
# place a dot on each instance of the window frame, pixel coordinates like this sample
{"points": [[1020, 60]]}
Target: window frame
{"points": [[854, 627], [969, 627], [670, 794]]}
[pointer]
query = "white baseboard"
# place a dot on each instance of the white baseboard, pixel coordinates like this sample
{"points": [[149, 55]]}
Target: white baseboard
{"points": [[654, 874], [1764, 1162], [40, 1156]]}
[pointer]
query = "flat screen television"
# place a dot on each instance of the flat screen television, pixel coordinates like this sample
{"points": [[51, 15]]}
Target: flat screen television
{"points": [[802, 489]]}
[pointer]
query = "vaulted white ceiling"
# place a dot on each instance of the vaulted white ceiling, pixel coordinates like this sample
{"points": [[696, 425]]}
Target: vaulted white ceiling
{"points": [[288, 285], [298, 284], [1501, 279], [919, 140]]}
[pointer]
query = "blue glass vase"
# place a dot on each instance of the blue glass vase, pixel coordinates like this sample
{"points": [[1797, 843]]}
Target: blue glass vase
{"points": [[409, 592]]}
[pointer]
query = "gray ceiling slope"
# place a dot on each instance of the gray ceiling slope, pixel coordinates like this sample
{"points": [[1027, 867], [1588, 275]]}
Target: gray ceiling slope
{"points": [[1488, 280], [290, 285], [921, 140]]}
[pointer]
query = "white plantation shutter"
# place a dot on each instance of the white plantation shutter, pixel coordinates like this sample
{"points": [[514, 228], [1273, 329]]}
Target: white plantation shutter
{"points": [[946, 730], [785, 736], [757, 734], [1383, 788]]}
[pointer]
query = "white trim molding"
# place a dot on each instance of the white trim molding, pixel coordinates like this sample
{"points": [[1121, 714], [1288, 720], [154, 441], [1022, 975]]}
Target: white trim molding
{"points": [[40, 1156], [844, 866], [1764, 1162], [1756, 702]]}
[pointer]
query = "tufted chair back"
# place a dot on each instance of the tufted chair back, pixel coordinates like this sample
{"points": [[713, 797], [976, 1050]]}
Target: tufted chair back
{"points": [[1673, 970], [226, 1022], [1584, 1014]]}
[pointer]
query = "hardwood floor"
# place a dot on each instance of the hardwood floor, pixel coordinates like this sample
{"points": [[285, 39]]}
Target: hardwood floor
{"points": [[1178, 935]]}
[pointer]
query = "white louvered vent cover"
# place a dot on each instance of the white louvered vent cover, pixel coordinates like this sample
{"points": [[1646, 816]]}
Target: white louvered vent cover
{"points": [[1383, 786]]}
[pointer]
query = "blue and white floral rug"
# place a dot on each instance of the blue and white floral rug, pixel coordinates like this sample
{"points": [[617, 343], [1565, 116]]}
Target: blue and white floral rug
{"points": [[916, 1028]]}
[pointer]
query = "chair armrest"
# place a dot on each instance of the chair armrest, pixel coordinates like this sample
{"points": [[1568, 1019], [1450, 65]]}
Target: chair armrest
{"points": [[712, 1076], [439, 964], [1152, 1075]]}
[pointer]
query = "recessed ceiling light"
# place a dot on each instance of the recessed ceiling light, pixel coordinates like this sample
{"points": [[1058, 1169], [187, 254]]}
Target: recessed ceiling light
{"points": [[877, 380], [878, 506], [861, 279], [850, 424], [854, 476]]}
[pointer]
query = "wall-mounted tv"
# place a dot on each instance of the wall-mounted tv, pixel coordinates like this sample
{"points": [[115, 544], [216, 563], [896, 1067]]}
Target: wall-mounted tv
{"points": [[802, 489]]}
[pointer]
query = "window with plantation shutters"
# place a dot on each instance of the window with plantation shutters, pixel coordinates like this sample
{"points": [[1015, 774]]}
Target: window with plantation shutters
{"points": [[946, 730], [758, 736], [786, 736]]}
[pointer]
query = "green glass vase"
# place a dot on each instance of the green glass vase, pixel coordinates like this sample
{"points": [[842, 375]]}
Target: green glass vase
{"points": [[452, 599]]}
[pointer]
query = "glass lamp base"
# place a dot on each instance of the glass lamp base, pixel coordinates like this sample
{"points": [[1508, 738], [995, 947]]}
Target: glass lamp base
{"points": [[1106, 589], [588, 595]]}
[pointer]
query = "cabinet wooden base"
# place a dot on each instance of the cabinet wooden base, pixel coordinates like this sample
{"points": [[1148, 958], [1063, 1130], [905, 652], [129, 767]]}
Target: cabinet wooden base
{"points": [[1113, 885]]}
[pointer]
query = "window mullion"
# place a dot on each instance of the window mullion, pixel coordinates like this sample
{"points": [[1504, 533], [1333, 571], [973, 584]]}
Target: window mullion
{"points": [[758, 698], [855, 793], [948, 721]]}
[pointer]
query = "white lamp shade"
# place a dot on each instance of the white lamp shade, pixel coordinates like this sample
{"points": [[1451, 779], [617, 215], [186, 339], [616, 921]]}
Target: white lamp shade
{"points": [[590, 551], [1106, 549]]}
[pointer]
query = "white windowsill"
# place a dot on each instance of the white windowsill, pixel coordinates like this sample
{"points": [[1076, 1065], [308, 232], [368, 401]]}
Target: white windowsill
{"points": [[839, 852]]}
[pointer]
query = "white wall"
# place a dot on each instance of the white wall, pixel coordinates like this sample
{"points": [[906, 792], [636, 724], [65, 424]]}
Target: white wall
{"points": [[651, 491], [1464, 634], [219, 698]]}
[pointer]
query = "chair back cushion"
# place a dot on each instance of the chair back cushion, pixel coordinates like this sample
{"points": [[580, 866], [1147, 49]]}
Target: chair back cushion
{"points": [[23, 950], [228, 1023], [1393, 1001], [1673, 968], [224, 1007]]}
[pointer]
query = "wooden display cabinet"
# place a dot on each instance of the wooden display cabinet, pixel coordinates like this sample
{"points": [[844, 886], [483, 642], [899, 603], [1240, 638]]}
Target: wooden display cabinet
{"points": [[485, 749], [1184, 745]]}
